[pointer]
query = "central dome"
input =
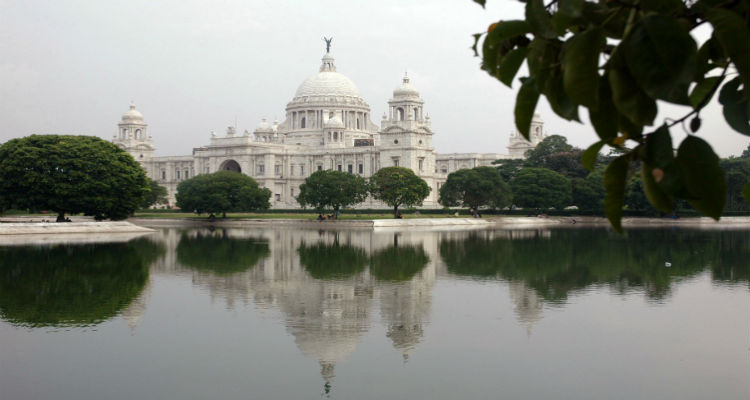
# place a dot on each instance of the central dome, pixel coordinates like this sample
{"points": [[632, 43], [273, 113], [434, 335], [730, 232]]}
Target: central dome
{"points": [[327, 82]]}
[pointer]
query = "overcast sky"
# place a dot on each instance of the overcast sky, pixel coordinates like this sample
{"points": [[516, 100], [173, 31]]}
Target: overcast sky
{"points": [[72, 67]]}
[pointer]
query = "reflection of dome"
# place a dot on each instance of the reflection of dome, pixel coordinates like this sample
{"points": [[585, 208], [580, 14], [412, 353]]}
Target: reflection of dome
{"points": [[327, 82], [132, 116], [405, 89], [528, 306]]}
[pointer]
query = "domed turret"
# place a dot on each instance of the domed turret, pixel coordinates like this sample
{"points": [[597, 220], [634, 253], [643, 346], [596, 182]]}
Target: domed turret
{"points": [[132, 135], [405, 90], [264, 127], [132, 116]]}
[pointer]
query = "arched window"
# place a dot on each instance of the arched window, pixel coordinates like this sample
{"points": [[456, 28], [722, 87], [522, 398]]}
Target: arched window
{"points": [[335, 136], [399, 114], [137, 133], [302, 123], [416, 113], [358, 123], [124, 134]]}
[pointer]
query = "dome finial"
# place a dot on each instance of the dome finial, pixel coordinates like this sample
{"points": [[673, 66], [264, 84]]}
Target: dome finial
{"points": [[328, 43], [406, 77]]}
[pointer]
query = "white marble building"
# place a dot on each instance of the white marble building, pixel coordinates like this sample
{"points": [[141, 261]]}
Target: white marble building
{"points": [[327, 126]]}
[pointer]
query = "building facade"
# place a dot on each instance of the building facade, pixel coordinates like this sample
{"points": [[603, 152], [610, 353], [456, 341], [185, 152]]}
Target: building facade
{"points": [[328, 126]]}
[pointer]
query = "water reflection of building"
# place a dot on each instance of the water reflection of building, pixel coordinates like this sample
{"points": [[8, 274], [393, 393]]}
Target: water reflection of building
{"points": [[134, 313], [326, 317], [405, 309], [527, 305]]}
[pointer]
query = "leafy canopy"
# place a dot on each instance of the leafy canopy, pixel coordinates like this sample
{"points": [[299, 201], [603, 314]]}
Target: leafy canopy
{"points": [[398, 186], [474, 188], [71, 174], [221, 192], [156, 195], [616, 59], [332, 189], [540, 188]]}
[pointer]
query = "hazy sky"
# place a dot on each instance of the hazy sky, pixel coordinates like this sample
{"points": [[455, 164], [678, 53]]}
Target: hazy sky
{"points": [[195, 66]]}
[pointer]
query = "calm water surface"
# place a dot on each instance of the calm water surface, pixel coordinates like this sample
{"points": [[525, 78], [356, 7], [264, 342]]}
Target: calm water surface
{"points": [[361, 314]]}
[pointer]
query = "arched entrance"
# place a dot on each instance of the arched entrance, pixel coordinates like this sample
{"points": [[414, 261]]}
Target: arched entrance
{"points": [[230, 165]]}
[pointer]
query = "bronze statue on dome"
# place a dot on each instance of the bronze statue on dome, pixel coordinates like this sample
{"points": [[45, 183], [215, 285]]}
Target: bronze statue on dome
{"points": [[328, 43]]}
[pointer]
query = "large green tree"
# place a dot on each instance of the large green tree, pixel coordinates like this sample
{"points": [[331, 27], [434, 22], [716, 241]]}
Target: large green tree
{"points": [[221, 192], [474, 188], [539, 155], [617, 59], [156, 195], [398, 186], [737, 171], [71, 174], [332, 189], [588, 192], [509, 168], [540, 188]]}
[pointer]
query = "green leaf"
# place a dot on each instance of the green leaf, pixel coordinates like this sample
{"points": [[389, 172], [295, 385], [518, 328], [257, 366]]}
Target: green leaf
{"points": [[510, 64], [629, 99], [570, 8], [526, 101], [605, 117], [588, 158], [505, 30], [733, 35], [481, 2], [615, 180], [476, 37], [703, 177], [539, 19], [735, 106], [655, 195], [658, 151], [580, 64], [542, 54], [558, 99], [661, 56], [704, 90], [662, 6]]}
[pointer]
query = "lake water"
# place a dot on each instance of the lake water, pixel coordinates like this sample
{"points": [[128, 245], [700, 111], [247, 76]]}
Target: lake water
{"points": [[360, 314]]}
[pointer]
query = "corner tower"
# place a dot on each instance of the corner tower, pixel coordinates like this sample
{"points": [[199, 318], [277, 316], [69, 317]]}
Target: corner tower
{"points": [[518, 145], [405, 135], [132, 136]]}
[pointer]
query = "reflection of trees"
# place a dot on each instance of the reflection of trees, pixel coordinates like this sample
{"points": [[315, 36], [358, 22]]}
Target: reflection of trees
{"points": [[72, 285], [220, 254], [326, 261], [398, 263], [574, 259]]}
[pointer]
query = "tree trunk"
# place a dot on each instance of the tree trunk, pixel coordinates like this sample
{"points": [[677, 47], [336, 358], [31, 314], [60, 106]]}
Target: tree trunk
{"points": [[223, 214], [61, 217], [395, 211]]}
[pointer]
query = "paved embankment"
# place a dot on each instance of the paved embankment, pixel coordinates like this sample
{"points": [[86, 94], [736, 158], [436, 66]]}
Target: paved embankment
{"points": [[54, 228], [445, 223]]}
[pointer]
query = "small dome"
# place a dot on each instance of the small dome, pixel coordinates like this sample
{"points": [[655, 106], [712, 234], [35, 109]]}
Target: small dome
{"points": [[334, 122], [263, 126], [405, 89], [132, 116]]}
